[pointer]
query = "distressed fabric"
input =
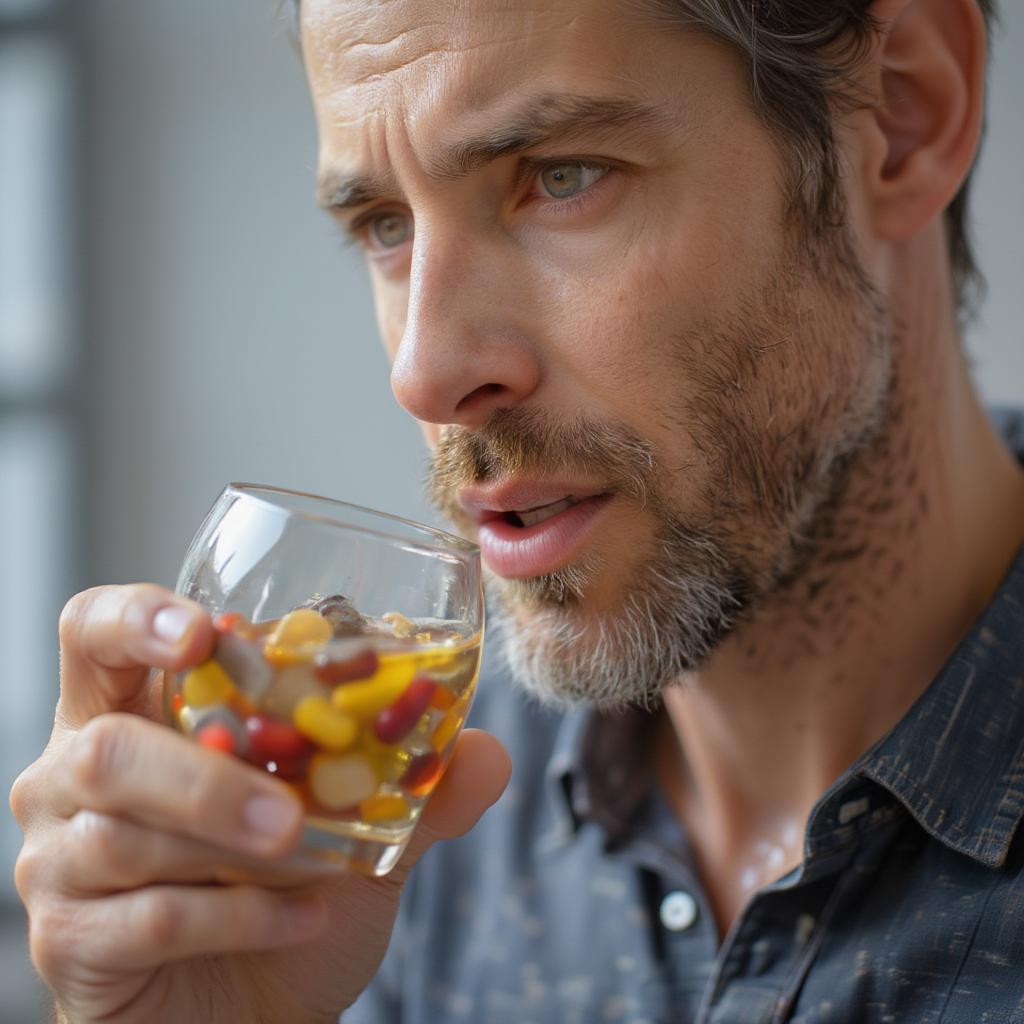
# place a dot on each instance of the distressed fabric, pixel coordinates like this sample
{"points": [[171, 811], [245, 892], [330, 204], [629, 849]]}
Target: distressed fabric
{"points": [[562, 906]]}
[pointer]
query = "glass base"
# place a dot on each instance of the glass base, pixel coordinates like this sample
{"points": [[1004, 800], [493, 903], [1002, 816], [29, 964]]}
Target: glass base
{"points": [[354, 846]]}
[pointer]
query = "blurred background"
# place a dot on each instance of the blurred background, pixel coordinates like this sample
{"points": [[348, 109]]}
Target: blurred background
{"points": [[175, 313]]}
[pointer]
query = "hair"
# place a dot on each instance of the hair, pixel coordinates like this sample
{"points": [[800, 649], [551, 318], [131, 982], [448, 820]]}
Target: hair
{"points": [[803, 56]]}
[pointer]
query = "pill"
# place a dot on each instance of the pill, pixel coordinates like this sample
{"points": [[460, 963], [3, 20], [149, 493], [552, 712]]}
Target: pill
{"points": [[341, 781], [386, 807], [442, 698], [331, 729], [398, 719], [299, 628], [226, 621], [365, 699], [198, 721], [445, 731], [422, 774], [290, 686], [243, 660], [206, 684], [216, 736], [346, 666], [271, 740]]}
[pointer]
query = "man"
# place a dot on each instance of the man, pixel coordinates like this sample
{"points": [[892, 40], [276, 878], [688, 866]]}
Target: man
{"points": [[673, 287]]}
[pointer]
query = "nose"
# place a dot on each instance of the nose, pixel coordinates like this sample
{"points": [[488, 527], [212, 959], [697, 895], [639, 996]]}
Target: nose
{"points": [[465, 352]]}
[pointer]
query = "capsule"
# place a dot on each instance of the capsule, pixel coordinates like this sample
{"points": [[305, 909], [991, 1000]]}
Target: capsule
{"points": [[358, 664], [422, 774], [271, 740], [329, 728], [207, 684], [400, 718], [244, 663], [216, 736], [445, 731], [365, 699]]}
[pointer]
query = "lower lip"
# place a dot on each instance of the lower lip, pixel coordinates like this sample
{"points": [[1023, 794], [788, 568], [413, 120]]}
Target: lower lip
{"points": [[517, 552]]}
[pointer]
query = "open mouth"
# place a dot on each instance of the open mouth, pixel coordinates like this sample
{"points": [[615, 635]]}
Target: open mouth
{"points": [[533, 516], [539, 539]]}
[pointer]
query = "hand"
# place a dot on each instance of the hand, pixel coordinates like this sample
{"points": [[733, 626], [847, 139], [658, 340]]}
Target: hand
{"points": [[151, 866]]}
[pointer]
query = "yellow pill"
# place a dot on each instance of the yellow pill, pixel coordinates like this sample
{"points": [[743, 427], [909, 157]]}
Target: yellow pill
{"points": [[445, 731], [316, 719], [383, 808], [207, 684], [299, 628], [381, 690]]}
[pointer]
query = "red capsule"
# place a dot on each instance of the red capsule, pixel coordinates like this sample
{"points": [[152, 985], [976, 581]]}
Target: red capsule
{"points": [[290, 771], [333, 671], [399, 718], [271, 740], [422, 773], [226, 621], [216, 736]]}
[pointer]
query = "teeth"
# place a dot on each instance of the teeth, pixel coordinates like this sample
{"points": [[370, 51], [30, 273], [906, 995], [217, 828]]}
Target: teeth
{"points": [[533, 516]]}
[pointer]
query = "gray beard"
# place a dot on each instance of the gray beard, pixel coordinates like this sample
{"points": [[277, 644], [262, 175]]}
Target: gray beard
{"points": [[680, 607]]}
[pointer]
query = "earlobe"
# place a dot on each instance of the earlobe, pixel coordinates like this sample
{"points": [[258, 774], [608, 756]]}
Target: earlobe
{"points": [[932, 60]]}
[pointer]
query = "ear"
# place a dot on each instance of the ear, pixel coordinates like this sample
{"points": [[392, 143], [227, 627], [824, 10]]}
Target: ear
{"points": [[931, 58]]}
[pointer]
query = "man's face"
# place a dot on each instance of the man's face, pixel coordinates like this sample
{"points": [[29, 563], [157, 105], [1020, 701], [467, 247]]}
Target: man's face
{"points": [[644, 391]]}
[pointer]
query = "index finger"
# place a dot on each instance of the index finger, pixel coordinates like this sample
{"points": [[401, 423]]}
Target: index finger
{"points": [[110, 637]]}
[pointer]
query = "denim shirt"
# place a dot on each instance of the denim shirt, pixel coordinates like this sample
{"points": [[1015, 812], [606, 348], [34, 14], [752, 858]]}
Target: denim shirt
{"points": [[576, 899]]}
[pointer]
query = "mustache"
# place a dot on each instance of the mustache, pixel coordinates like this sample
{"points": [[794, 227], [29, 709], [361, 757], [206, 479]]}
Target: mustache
{"points": [[515, 441]]}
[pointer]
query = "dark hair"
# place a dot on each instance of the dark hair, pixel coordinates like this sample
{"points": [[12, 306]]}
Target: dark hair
{"points": [[803, 55]]}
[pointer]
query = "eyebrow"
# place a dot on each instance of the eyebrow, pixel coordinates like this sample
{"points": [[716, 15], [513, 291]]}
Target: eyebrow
{"points": [[545, 119]]}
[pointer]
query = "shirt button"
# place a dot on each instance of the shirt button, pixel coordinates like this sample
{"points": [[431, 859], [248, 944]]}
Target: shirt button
{"points": [[678, 911]]}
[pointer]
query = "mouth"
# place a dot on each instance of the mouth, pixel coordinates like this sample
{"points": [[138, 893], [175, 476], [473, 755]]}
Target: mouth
{"points": [[532, 530]]}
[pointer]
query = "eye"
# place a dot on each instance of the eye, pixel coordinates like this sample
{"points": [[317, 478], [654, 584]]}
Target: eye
{"points": [[390, 230], [566, 179]]}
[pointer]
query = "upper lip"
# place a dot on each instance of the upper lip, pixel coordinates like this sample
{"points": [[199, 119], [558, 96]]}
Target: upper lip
{"points": [[483, 503]]}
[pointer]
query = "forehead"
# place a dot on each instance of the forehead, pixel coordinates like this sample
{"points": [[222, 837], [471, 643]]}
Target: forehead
{"points": [[437, 68]]}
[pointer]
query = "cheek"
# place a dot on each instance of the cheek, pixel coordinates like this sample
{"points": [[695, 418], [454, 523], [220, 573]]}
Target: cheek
{"points": [[391, 306]]}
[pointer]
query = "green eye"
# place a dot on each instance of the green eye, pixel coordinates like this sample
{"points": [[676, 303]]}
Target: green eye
{"points": [[562, 180], [569, 177], [391, 230]]}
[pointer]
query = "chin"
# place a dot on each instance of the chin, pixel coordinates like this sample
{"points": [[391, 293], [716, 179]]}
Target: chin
{"points": [[614, 643]]}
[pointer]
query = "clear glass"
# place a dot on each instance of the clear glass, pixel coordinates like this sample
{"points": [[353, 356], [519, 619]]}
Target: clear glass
{"points": [[347, 656]]}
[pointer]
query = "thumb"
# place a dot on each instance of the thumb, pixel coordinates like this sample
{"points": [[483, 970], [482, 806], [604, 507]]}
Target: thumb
{"points": [[110, 637], [477, 775]]}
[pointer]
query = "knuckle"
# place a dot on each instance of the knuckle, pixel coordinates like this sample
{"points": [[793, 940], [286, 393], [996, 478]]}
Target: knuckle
{"points": [[51, 940], [100, 840], [161, 919], [73, 616], [23, 795], [28, 869], [99, 752]]}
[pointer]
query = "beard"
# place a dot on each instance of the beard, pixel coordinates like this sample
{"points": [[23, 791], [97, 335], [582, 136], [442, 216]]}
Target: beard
{"points": [[778, 399]]}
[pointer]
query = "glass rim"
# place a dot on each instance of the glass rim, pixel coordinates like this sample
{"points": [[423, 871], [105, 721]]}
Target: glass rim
{"points": [[265, 494]]}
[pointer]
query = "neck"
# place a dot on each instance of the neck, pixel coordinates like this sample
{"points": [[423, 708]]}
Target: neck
{"points": [[929, 521]]}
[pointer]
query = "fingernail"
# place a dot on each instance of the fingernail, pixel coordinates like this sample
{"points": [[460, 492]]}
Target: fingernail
{"points": [[269, 816], [171, 624]]}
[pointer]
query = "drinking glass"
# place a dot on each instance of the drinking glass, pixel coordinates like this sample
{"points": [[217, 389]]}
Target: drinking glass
{"points": [[347, 653]]}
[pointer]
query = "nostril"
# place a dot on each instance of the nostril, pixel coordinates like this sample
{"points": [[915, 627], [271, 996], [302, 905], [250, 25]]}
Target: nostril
{"points": [[484, 391]]}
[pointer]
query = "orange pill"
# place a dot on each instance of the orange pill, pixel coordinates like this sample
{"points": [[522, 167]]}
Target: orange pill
{"points": [[383, 808]]}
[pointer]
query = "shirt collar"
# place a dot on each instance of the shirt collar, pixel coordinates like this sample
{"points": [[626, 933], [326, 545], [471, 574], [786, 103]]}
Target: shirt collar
{"points": [[956, 760]]}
